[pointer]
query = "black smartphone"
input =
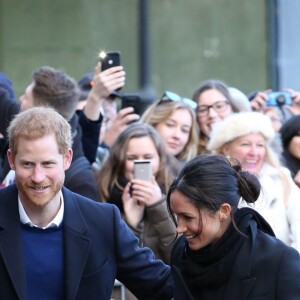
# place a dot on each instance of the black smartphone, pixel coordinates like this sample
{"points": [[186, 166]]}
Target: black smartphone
{"points": [[142, 169], [110, 59], [132, 100]]}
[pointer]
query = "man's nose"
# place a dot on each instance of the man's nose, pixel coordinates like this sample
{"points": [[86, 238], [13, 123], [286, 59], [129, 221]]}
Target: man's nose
{"points": [[38, 174]]}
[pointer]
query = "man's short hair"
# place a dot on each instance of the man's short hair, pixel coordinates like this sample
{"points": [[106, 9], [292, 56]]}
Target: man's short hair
{"points": [[38, 122], [56, 89]]}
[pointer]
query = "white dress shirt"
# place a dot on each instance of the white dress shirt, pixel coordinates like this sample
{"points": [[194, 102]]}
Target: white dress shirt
{"points": [[54, 223]]}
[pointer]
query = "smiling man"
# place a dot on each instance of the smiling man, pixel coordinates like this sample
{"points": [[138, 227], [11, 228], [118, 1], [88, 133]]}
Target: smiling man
{"points": [[49, 234]]}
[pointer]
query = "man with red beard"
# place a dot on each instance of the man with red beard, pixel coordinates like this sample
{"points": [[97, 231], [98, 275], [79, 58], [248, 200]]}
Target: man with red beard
{"points": [[55, 244]]}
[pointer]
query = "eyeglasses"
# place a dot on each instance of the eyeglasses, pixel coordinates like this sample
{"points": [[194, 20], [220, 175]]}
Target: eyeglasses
{"points": [[219, 107], [172, 97]]}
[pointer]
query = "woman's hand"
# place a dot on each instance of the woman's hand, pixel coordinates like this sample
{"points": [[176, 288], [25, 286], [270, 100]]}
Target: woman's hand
{"points": [[146, 192], [133, 209]]}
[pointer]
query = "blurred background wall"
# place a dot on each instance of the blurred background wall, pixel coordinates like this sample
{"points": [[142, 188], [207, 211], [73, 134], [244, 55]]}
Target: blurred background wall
{"points": [[189, 41], [288, 44]]}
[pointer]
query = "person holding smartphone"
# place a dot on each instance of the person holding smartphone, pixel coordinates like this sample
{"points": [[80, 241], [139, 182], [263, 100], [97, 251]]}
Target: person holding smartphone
{"points": [[98, 93], [56, 244], [141, 202]]}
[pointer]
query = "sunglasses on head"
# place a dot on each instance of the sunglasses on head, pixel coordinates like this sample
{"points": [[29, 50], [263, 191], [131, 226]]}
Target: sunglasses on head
{"points": [[172, 97]]}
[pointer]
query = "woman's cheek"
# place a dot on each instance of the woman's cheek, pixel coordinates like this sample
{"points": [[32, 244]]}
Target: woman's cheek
{"points": [[129, 170], [155, 167]]}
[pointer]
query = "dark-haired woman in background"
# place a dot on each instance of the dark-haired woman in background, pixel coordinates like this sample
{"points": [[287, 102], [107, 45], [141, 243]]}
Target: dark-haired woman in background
{"points": [[226, 252], [290, 136], [214, 103]]}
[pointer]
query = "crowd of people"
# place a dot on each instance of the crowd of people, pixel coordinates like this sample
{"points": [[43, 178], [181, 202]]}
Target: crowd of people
{"points": [[222, 206]]}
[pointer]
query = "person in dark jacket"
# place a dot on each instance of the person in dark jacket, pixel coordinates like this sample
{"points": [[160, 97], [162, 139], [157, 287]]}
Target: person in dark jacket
{"points": [[290, 136], [51, 87], [56, 244], [54, 88], [225, 252]]}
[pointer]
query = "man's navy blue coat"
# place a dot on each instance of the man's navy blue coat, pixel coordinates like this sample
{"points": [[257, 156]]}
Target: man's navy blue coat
{"points": [[98, 247]]}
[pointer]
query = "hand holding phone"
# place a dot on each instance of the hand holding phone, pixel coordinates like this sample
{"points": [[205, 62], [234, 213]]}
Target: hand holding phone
{"points": [[110, 59], [143, 171], [132, 100]]}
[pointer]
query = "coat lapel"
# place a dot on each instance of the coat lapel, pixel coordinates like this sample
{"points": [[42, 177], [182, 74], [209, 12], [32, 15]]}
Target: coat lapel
{"points": [[77, 244], [10, 240]]}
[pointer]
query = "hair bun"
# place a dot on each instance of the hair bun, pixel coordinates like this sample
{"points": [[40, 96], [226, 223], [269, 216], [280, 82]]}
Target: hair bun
{"points": [[249, 186]]}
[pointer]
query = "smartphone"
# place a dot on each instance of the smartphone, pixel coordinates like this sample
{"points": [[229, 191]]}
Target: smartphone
{"points": [[142, 169], [132, 100], [110, 59]]}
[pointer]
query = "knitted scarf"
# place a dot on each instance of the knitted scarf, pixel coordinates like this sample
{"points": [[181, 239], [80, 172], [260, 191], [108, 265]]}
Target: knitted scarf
{"points": [[212, 265]]}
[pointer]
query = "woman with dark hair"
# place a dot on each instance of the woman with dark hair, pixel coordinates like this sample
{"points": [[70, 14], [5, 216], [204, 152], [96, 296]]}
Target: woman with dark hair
{"points": [[226, 252], [248, 137], [290, 136], [214, 103]]}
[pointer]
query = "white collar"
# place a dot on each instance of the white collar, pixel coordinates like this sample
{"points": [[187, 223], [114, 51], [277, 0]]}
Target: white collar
{"points": [[54, 223]]}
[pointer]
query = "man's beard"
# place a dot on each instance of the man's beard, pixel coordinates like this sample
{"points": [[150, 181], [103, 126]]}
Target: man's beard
{"points": [[28, 195]]}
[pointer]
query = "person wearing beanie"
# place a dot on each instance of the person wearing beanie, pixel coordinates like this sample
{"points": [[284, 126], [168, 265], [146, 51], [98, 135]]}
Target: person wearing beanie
{"points": [[290, 136], [7, 85], [247, 137], [240, 99]]}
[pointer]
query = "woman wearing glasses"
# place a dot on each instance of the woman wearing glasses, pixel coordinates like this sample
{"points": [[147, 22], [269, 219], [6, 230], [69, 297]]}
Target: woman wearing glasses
{"points": [[214, 104], [175, 120]]}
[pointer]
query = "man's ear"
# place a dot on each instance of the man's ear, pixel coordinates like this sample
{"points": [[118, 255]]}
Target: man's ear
{"points": [[68, 159], [11, 159]]}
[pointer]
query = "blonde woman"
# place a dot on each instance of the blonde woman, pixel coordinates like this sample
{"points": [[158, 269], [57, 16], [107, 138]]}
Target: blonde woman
{"points": [[246, 137], [174, 119]]}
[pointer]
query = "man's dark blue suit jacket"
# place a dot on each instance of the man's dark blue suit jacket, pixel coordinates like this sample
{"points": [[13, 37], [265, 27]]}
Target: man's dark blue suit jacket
{"points": [[98, 247]]}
